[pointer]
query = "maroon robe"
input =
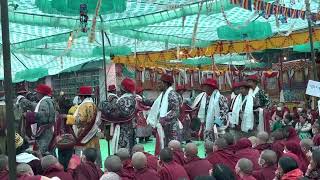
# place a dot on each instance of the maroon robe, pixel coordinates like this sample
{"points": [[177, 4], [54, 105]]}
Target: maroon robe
{"points": [[265, 173], [26, 177], [278, 148], [248, 177], [146, 174], [262, 147], [225, 157], [87, 170], [231, 148], [316, 140], [197, 167], [127, 166], [293, 136], [296, 149], [245, 150], [55, 171], [173, 171], [125, 176], [178, 157], [152, 161], [4, 175]]}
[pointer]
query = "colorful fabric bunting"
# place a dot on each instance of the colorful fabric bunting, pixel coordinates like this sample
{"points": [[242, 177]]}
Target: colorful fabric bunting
{"points": [[258, 5], [268, 9]]}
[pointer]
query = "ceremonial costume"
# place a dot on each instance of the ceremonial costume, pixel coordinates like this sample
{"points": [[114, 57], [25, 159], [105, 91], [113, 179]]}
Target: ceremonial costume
{"points": [[121, 113], [242, 111], [143, 130], [213, 111], [85, 122], [184, 118], [164, 115], [261, 104], [42, 119]]}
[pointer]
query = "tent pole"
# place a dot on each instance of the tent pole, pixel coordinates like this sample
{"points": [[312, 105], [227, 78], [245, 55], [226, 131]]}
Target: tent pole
{"points": [[8, 89], [312, 57]]}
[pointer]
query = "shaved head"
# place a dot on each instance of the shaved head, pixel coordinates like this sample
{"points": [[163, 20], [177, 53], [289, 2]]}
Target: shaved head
{"points": [[221, 143], [262, 137], [253, 140], [24, 169], [166, 155], [245, 165], [113, 164], [138, 148], [269, 157], [208, 145], [123, 154], [306, 144], [48, 161], [139, 160], [174, 145], [229, 138], [110, 176], [191, 149]]}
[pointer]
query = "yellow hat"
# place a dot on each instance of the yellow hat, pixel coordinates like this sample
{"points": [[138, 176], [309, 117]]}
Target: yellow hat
{"points": [[19, 140]]}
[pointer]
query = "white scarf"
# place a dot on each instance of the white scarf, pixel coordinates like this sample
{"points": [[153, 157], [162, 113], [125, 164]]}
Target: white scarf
{"points": [[261, 118], [159, 109], [236, 110], [254, 92], [25, 158], [34, 127], [213, 110], [248, 117], [116, 133], [19, 98]]}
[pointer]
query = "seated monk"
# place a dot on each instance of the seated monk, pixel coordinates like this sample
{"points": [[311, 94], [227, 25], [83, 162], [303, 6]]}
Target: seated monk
{"points": [[168, 169], [178, 155], [24, 172], [268, 162], [194, 165], [222, 155], [141, 171], [4, 169], [245, 150], [87, 168], [208, 146], [125, 158], [110, 176], [152, 161], [52, 168], [113, 164], [230, 141], [244, 169], [262, 141]]}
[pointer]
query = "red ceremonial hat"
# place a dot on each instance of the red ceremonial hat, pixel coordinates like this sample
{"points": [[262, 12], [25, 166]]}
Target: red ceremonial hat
{"points": [[211, 82], [235, 85], [128, 85], [252, 77], [44, 89], [85, 91], [139, 89], [167, 78], [180, 88], [112, 87]]}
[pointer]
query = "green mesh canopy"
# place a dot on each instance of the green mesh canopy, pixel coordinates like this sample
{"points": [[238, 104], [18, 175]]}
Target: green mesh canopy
{"points": [[47, 33], [306, 47], [31, 75]]}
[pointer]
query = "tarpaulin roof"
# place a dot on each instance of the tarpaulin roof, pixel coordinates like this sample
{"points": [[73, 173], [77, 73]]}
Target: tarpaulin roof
{"points": [[40, 30]]}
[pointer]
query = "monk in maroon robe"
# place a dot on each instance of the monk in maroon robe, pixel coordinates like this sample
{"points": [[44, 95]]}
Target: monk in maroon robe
{"points": [[152, 161], [194, 165], [244, 169], [4, 173], [262, 141], [230, 141], [88, 169], [25, 172], [296, 149], [221, 155], [124, 155], [114, 164], [52, 168], [142, 172], [245, 150], [178, 154], [291, 135], [168, 169], [268, 163]]}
